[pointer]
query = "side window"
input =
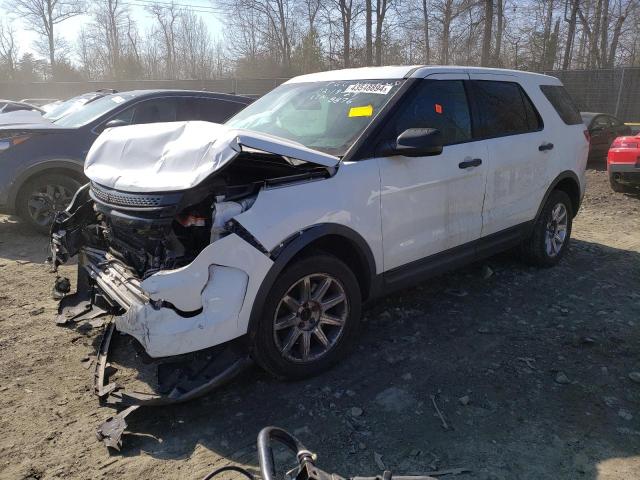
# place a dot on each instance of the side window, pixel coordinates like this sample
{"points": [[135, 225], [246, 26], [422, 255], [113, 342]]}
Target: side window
{"points": [[217, 111], [12, 107], [504, 109], [440, 104], [207, 109], [125, 115], [562, 103], [152, 111]]}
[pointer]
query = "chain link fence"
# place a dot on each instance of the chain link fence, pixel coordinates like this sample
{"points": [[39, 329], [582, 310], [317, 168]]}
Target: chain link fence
{"points": [[63, 90], [615, 91]]}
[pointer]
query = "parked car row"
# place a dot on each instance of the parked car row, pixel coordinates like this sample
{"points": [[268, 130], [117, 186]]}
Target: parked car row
{"points": [[42, 162]]}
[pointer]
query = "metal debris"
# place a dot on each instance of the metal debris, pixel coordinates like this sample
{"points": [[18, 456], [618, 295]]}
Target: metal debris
{"points": [[110, 432]]}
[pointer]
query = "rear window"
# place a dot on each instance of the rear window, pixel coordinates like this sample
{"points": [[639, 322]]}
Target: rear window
{"points": [[504, 109], [562, 102]]}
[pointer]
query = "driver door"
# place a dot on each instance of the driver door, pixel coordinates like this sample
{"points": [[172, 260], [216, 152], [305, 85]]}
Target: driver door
{"points": [[433, 204]]}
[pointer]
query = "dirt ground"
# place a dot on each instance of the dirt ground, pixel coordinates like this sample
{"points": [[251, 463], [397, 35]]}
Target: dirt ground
{"points": [[529, 369]]}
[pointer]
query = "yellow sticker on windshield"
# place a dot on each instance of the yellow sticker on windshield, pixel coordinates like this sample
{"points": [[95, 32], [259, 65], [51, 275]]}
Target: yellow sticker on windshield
{"points": [[364, 111]]}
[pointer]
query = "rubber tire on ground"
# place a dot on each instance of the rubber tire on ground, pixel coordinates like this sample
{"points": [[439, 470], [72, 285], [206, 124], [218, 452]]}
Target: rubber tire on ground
{"points": [[22, 209], [617, 187], [264, 349], [533, 249]]}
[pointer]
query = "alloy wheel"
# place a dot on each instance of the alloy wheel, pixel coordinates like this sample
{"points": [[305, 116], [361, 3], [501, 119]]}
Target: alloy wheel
{"points": [[310, 318], [556, 233], [44, 202]]}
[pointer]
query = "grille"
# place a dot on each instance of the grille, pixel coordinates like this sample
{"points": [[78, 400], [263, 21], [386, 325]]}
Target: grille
{"points": [[114, 197]]}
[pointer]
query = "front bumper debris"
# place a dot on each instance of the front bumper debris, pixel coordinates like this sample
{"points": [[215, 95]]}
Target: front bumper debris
{"points": [[125, 376]]}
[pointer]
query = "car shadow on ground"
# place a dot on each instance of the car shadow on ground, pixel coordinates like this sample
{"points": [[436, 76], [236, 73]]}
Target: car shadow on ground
{"points": [[528, 369]]}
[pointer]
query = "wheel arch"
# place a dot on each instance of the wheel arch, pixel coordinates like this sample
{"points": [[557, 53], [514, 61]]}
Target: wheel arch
{"points": [[568, 183], [59, 166], [335, 239]]}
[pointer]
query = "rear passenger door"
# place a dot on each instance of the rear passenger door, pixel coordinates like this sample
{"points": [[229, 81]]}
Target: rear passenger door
{"points": [[519, 151]]}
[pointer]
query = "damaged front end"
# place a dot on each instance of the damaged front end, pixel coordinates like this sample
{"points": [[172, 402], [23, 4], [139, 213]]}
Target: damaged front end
{"points": [[174, 270]]}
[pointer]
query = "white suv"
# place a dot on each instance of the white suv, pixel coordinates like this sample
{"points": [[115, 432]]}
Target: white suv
{"points": [[331, 190]]}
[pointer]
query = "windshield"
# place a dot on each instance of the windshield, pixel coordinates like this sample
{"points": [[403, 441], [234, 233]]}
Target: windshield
{"points": [[65, 108], [326, 116], [91, 111]]}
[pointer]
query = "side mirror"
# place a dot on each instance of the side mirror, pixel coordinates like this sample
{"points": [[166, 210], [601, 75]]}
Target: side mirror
{"points": [[415, 142]]}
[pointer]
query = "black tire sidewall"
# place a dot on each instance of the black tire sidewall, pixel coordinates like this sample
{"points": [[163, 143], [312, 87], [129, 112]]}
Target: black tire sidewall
{"points": [[264, 350], [22, 209]]}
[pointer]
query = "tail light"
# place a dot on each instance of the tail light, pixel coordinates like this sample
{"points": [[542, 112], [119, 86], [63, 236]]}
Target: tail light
{"points": [[625, 142], [587, 135]]}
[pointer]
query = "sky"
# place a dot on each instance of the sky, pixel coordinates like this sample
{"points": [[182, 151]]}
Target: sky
{"points": [[71, 28]]}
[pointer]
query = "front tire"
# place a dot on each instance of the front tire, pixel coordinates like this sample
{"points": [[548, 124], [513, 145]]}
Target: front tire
{"points": [[310, 319], [551, 233], [41, 197]]}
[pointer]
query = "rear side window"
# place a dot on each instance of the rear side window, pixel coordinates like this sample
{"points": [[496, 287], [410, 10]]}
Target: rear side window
{"points": [[153, 111], [217, 110], [207, 109], [504, 109], [562, 102], [440, 104]]}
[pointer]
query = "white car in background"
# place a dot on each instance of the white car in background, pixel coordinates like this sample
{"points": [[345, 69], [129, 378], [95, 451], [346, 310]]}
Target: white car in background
{"points": [[333, 189]]}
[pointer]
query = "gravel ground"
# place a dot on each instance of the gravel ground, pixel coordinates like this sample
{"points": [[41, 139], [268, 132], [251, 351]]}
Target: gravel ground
{"points": [[529, 368]]}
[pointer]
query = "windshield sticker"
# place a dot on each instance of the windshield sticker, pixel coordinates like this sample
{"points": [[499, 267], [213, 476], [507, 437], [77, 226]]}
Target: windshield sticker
{"points": [[117, 99], [364, 111], [379, 88]]}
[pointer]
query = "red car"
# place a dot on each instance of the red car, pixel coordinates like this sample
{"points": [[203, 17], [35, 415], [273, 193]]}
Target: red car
{"points": [[623, 163]]}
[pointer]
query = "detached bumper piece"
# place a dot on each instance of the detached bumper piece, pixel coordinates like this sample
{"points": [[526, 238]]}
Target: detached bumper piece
{"points": [[126, 377]]}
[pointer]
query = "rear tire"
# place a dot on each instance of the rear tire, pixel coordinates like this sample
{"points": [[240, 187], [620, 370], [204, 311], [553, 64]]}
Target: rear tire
{"points": [[551, 233], [42, 196], [310, 319], [617, 187]]}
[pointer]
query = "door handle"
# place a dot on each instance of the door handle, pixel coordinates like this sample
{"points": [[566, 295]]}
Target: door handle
{"points": [[476, 162], [545, 146]]}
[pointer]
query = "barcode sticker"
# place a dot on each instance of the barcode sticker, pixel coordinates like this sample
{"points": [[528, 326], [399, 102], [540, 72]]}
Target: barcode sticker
{"points": [[380, 88]]}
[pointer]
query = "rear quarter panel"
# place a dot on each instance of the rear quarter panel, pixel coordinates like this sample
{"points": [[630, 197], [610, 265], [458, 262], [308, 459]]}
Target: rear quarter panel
{"points": [[571, 147]]}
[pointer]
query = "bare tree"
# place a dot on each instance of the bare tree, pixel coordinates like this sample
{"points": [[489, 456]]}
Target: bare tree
{"points": [[42, 16], [368, 22], [486, 38], [425, 31], [8, 50], [166, 16], [382, 6]]}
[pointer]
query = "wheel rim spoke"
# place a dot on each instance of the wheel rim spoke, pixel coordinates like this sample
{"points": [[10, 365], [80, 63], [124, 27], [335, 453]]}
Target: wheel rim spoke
{"points": [[293, 338], [306, 289], [305, 345], [332, 302], [287, 322], [291, 302], [327, 319], [321, 336], [321, 291]]}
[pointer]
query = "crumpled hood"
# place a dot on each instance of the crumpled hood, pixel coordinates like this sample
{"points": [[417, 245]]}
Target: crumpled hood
{"points": [[162, 157]]}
